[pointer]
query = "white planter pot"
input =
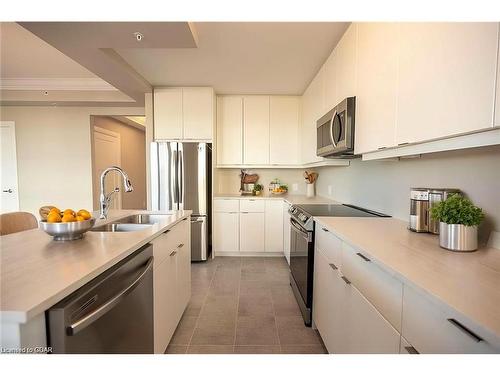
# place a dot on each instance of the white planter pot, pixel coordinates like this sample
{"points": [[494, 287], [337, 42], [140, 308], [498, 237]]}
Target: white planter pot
{"points": [[310, 190], [457, 237]]}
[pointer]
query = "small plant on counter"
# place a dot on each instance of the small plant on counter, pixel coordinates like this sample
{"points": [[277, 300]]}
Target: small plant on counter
{"points": [[257, 189], [457, 210]]}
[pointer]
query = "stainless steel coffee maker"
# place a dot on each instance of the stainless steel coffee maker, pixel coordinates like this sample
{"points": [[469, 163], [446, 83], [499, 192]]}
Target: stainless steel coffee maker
{"points": [[421, 202]]}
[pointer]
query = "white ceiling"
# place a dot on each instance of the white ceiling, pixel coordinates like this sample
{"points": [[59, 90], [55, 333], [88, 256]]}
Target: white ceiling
{"points": [[242, 57], [24, 55]]}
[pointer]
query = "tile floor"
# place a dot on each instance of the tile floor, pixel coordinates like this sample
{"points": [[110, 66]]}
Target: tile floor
{"points": [[246, 306]]}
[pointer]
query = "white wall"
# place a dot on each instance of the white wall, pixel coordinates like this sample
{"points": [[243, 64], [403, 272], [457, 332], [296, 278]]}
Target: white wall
{"points": [[227, 181], [385, 185], [54, 154]]}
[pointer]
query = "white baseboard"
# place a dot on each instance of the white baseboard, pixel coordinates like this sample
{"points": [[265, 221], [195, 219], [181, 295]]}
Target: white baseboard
{"points": [[244, 254]]}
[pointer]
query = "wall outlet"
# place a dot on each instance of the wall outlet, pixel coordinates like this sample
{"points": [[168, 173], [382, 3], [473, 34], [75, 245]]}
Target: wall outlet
{"points": [[295, 187], [330, 190]]}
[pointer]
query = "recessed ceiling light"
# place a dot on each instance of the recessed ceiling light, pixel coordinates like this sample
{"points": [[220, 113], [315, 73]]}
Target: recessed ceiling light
{"points": [[138, 36]]}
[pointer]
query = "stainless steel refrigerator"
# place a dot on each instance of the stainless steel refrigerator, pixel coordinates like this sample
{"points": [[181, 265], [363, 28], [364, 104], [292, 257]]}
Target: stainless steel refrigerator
{"points": [[181, 179]]}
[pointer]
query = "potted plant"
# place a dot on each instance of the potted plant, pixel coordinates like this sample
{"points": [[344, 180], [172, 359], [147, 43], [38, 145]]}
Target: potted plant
{"points": [[458, 222], [257, 189]]}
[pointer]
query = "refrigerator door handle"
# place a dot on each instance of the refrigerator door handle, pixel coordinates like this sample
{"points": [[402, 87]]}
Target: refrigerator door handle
{"points": [[180, 181], [174, 185]]}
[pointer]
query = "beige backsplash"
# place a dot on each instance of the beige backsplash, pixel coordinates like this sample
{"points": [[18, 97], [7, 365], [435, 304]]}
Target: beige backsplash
{"points": [[227, 181]]}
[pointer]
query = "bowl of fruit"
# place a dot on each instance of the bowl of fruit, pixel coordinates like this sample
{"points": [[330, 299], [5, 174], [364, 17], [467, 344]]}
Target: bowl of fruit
{"points": [[65, 225], [282, 189]]}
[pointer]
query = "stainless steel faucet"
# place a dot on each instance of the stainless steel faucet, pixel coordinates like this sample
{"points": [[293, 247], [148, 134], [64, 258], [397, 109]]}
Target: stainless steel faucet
{"points": [[105, 199]]}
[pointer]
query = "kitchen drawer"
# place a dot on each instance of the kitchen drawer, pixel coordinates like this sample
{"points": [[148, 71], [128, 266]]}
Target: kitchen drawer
{"points": [[383, 290], [433, 328], [329, 245], [170, 240], [226, 205], [252, 205]]}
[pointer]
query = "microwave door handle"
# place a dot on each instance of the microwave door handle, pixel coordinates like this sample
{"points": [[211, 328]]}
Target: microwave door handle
{"points": [[331, 129]]}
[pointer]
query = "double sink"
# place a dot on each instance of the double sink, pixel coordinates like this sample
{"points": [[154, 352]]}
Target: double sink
{"points": [[131, 223]]}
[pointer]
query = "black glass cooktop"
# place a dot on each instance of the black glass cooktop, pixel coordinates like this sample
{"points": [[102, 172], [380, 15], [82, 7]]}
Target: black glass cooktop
{"points": [[341, 210]]}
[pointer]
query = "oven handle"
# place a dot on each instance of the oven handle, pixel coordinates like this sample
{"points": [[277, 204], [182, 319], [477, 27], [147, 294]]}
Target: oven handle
{"points": [[304, 233], [94, 315]]}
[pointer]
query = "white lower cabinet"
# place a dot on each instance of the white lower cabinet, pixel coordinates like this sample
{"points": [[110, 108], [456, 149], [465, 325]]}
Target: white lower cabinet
{"points": [[252, 231], [171, 281], [348, 322], [226, 232], [434, 328], [286, 231], [274, 226], [406, 347]]}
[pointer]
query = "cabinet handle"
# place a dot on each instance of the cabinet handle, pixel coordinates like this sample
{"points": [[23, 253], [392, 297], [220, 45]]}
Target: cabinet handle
{"points": [[168, 230], [403, 143], [233, 212], [366, 259], [180, 245], [346, 280], [173, 253], [382, 148], [184, 219], [333, 266], [244, 212], [324, 229], [411, 350], [466, 330]]}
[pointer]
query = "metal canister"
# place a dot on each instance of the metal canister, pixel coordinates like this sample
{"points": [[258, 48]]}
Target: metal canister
{"points": [[437, 195]]}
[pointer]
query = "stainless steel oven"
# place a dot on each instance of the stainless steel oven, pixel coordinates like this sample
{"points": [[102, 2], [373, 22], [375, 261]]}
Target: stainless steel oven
{"points": [[335, 130]]}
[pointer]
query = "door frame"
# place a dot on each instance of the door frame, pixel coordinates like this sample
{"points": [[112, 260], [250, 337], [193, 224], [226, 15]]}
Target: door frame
{"points": [[12, 125], [97, 129]]}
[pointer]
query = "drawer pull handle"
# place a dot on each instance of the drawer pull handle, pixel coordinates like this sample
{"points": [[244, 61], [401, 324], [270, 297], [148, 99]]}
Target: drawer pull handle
{"points": [[411, 350], [333, 266], [244, 212], [168, 230], [366, 259], [324, 229], [173, 253], [180, 245], [346, 280], [466, 330]]}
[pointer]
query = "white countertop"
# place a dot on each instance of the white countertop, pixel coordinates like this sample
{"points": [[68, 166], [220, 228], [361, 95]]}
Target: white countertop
{"points": [[290, 198], [467, 282], [36, 271]]}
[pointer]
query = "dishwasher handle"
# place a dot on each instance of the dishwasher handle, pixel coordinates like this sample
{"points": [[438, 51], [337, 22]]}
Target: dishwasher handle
{"points": [[96, 314]]}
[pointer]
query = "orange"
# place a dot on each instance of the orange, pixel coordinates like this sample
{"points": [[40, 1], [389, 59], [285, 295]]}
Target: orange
{"points": [[80, 218], [85, 214], [53, 217], [55, 210], [68, 218], [69, 212]]}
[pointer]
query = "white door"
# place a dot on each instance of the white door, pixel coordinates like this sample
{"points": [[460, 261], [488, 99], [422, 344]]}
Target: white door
{"points": [[252, 231], [198, 112], [284, 130], [256, 129], [167, 113], [227, 232], [8, 175], [447, 76], [107, 153], [229, 130], [376, 92], [274, 226]]}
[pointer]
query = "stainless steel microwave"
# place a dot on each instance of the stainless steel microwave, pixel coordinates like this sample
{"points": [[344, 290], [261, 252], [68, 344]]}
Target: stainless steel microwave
{"points": [[335, 130]]}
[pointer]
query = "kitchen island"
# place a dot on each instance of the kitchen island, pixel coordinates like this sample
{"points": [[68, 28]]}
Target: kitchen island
{"points": [[37, 272]]}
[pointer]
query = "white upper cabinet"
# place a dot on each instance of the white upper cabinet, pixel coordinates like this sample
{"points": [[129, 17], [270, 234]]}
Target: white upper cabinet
{"points": [[345, 52], [376, 91], [284, 129], [229, 130], [497, 102], [183, 113], [198, 110], [256, 129], [167, 113], [446, 79], [330, 81]]}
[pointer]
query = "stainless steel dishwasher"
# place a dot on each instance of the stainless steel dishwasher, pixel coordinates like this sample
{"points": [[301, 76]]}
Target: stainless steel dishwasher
{"points": [[111, 314]]}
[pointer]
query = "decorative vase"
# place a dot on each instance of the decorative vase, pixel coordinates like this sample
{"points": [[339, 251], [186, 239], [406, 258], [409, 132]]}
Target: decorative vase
{"points": [[458, 237], [310, 190]]}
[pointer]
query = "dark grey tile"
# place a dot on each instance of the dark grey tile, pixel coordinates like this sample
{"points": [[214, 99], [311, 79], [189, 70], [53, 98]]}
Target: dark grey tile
{"points": [[292, 331], [303, 349], [210, 349], [214, 330], [254, 287], [176, 349], [255, 304], [257, 349], [253, 274], [184, 331], [220, 305], [256, 330]]}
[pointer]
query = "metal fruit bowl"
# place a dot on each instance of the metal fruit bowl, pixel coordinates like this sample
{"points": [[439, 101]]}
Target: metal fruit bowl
{"points": [[67, 231]]}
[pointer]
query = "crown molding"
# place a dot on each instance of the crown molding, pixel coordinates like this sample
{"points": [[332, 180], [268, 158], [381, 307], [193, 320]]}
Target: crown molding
{"points": [[61, 84]]}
